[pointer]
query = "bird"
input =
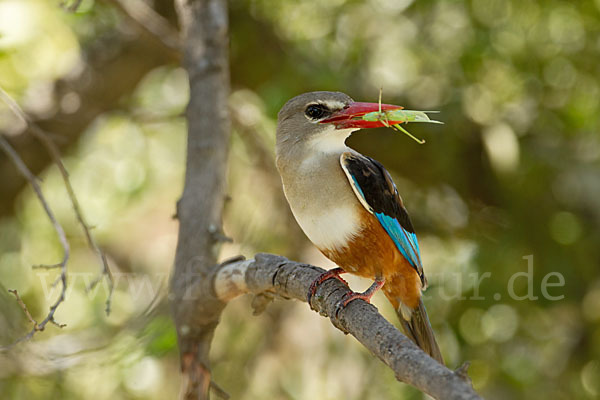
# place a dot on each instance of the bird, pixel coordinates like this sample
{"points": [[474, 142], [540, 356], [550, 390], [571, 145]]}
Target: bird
{"points": [[348, 206]]}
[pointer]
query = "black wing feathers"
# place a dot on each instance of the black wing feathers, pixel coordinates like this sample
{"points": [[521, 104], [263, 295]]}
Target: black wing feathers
{"points": [[377, 187]]}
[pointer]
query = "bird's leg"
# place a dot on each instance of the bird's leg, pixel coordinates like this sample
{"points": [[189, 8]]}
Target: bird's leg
{"points": [[332, 273], [366, 295]]}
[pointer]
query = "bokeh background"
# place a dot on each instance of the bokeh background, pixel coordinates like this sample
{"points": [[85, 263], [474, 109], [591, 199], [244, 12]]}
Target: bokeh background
{"points": [[510, 184]]}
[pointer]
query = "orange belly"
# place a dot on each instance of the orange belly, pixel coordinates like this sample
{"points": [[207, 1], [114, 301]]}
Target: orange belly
{"points": [[372, 254]]}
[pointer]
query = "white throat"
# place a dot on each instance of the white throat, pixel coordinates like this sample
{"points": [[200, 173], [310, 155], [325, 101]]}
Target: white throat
{"points": [[331, 141]]}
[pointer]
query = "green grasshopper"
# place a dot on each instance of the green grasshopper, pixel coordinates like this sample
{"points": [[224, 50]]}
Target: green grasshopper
{"points": [[400, 116]]}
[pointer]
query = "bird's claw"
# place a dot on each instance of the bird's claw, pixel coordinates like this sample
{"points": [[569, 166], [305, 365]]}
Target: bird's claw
{"points": [[333, 273], [366, 296], [348, 297]]}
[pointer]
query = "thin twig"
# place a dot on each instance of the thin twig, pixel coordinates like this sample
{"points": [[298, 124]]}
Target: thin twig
{"points": [[25, 309], [219, 390], [31, 178], [46, 266], [150, 21], [43, 137]]}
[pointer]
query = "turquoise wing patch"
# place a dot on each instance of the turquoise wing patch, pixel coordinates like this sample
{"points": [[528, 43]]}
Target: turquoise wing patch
{"points": [[374, 188], [405, 241]]}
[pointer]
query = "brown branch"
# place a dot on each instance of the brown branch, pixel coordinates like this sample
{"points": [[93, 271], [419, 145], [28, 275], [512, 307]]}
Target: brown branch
{"points": [[278, 276], [204, 26], [52, 149], [32, 179]]}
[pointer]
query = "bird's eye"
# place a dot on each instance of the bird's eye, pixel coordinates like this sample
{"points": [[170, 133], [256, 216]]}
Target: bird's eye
{"points": [[316, 111]]}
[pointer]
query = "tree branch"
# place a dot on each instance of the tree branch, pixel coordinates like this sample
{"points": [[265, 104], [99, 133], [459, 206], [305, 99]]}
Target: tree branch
{"points": [[54, 152], [31, 178], [277, 276], [150, 21], [206, 42]]}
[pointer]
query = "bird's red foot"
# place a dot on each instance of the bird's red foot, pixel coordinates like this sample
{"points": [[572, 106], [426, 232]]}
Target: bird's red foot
{"points": [[366, 296], [332, 273]]}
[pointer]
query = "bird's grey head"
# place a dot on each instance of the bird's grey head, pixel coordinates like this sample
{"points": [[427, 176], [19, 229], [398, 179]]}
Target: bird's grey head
{"points": [[298, 121]]}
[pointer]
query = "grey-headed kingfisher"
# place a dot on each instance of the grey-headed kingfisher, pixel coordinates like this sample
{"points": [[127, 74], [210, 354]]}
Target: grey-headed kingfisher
{"points": [[348, 206]]}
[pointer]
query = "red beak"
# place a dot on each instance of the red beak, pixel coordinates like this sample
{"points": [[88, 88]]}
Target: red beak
{"points": [[351, 116]]}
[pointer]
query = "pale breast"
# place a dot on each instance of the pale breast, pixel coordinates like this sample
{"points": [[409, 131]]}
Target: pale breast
{"points": [[322, 201], [331, 229]]}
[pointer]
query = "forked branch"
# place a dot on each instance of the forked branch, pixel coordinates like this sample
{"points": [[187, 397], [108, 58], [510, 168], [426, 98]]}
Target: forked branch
{"points": [[32, 179], [52, 149]]}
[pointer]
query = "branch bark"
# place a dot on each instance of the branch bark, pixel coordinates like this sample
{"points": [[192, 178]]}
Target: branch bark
{"points": [[271, 275], [195, 309]]}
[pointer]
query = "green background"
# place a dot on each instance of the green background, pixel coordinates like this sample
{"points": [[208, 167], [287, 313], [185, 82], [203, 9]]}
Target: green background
{"points": [[510, 182]]}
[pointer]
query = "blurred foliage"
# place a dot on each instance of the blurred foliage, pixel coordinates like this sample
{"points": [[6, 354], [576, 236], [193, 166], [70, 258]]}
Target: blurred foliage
{"points": [[510, 184]]}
